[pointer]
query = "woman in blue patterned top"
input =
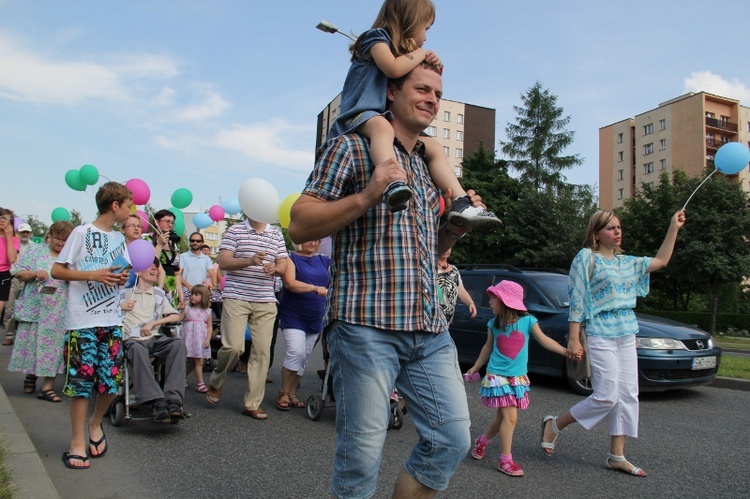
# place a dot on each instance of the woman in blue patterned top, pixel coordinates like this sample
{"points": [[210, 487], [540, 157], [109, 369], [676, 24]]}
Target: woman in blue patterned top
{"points": [[603, 286]]}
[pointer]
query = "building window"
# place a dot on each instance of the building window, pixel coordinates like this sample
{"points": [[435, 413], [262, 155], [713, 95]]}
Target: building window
{"points": [[620, 193], [460, 119], [620, 156], [662, 144], [648, 148], [459, 135], [650, 185], [648, 168], [662, 164], [447, 151], [748, 126], [446, 133], [662, 124], [620, 174], [431, 131], [648, 129], [459, 152], [620, 138], [446, 115]]}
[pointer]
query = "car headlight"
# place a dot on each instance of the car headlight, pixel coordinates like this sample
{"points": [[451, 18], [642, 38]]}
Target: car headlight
{"points": [[659, 344]]}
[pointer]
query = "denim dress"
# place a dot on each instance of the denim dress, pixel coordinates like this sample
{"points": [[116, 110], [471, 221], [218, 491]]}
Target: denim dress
{"points": [[365, 87]]}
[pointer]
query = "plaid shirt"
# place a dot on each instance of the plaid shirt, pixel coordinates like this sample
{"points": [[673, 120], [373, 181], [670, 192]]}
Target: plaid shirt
{"points": [[383, 270]]}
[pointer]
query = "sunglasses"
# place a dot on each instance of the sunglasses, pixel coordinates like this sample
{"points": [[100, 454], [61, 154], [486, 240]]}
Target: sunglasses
{"points": [[196, 241]]}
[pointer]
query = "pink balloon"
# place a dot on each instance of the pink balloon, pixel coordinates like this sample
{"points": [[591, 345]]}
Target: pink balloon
{"points": [[141, 254], [216, 213], [141, 192], [144, 220]]}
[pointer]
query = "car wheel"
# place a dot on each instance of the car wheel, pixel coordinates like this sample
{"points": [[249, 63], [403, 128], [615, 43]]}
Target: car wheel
{"points": [[582, 387]]}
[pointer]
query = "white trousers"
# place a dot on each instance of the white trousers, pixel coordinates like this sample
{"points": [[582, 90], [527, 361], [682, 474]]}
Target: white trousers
{"points": [[614, 376], [298, 348]]}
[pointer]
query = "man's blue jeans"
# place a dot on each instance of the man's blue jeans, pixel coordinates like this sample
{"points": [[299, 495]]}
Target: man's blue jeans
{"points": [[366, 363]]}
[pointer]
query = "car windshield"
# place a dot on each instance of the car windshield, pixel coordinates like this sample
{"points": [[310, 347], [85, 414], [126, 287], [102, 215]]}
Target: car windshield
{"points": [[555, 286]]}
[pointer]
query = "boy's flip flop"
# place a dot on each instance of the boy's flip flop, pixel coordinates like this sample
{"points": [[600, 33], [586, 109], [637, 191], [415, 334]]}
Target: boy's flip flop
{"points": [[97, 444], [67, 456]]}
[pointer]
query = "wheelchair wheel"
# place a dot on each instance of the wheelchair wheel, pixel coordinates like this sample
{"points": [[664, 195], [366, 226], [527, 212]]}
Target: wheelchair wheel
{"points": [[117, 411], [314, 407]]}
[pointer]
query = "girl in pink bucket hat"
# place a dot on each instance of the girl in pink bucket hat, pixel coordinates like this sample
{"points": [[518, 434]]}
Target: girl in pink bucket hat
{"points": [[506, 386]]}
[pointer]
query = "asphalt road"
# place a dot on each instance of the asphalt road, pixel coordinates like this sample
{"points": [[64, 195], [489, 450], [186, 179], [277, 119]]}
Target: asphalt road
{"points": [[694, 443]]}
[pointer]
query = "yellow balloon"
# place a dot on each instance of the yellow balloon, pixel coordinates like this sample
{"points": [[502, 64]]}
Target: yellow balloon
{"points": [[285, 210], [133, 209]]}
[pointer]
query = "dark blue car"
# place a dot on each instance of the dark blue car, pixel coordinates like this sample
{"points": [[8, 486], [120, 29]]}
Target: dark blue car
{"points": [[670, 354]]}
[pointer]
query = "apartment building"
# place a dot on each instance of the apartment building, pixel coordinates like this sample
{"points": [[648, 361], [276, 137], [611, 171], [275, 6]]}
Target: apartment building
{"points": [[458, 127], [682, 133]]}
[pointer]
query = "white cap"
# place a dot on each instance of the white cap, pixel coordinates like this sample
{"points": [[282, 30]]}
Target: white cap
{"points": [[24, 228]]}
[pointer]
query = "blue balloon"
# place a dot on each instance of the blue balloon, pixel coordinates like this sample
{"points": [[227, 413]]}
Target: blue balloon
{"points": [[732, 158], [201, 220], [231, 206]]}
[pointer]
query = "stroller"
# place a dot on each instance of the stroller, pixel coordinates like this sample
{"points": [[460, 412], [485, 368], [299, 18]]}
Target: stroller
{"points": [[317, 402]]}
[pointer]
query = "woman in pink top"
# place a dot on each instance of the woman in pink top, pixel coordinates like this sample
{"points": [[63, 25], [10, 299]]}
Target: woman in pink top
{"points": [[9, 246]]}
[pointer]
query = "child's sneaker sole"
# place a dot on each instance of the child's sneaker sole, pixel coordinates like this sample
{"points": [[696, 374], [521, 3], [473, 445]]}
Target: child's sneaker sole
{"points": [[397, 196], [475, 223]]}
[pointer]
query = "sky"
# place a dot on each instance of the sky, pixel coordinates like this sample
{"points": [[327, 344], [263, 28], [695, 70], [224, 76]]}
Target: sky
{"points": [[206, 94]]}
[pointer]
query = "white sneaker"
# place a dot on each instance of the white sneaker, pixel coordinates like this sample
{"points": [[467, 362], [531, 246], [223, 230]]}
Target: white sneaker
{"points": [[476, 218]]}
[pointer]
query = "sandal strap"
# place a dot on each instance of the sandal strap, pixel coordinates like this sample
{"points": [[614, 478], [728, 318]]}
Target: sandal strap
{"points": [[617, 459], [554, 426]]}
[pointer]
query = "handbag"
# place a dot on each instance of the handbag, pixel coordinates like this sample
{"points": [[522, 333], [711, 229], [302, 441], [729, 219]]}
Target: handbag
{"points": [[581, 370]]}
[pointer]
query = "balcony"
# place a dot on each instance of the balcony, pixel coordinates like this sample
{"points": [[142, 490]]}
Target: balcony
{"points": [[715, 143], [721, 125]]}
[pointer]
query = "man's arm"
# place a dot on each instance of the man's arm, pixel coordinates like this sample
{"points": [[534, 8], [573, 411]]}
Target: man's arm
{"points": [[449, 234], [227, 260], [313, 218]]}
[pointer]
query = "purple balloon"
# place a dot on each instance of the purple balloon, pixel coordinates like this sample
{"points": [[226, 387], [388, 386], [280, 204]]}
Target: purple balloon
{"points": [[141, 253]]}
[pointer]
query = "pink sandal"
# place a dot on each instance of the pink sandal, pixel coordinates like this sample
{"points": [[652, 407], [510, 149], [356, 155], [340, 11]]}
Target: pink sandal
{"points": [[201, 388]]}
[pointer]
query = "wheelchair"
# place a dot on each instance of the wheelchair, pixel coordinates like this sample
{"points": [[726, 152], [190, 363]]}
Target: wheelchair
{"points": [[123, 406]]}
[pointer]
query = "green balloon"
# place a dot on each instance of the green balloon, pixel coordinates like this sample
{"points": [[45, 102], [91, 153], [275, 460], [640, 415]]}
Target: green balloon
{"points": [[60, 214], [182, 198], [89, 174], [177, 214], [73, 179]]}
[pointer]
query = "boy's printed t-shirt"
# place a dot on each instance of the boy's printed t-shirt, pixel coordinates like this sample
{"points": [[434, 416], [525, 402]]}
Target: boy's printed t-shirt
{"points": [[91, 303]]}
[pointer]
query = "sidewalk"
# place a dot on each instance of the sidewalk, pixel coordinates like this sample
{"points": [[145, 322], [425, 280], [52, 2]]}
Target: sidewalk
{"points": [[29, 475]]}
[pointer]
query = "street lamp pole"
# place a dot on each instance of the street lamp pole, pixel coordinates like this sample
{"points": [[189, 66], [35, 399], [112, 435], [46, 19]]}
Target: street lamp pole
{"points": [[327, 27]]}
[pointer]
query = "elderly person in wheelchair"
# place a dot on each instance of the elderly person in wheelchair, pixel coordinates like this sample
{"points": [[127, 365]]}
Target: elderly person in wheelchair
{"points": [[145, 308]]}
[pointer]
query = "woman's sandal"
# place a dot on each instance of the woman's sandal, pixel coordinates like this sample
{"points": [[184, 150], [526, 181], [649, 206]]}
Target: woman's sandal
{"points": [[295, 402], [29, 384], [49, 396], [634, 470], [549, 447], [281, 404], [201, 388]]}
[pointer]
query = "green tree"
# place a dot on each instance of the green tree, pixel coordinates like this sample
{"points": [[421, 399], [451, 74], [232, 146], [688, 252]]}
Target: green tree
{"points": [[547, 228], [712, 250], [75, 218], [538, 138], [490, 179], [38, 228]]}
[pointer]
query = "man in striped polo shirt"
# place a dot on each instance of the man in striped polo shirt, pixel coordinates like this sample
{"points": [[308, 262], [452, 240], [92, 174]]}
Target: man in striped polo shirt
{"points": [[383, 318], [252, 253]]}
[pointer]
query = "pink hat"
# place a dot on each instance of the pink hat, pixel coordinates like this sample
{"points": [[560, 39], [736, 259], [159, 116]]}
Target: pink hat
{"points": [[510, 293]]}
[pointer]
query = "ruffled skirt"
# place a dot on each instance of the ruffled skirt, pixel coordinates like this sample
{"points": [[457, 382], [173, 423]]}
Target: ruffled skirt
{"points": [[499, 391]]}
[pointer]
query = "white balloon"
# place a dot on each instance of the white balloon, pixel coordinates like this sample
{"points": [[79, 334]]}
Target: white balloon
{"points": [[259, 200]]}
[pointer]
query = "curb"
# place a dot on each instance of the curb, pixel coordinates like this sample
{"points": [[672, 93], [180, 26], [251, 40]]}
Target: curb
{"points": [[731, 383], [28, 473]]}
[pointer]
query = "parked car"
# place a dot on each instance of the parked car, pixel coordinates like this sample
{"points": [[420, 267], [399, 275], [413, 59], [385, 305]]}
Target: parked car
{"points": [[670, 354]]}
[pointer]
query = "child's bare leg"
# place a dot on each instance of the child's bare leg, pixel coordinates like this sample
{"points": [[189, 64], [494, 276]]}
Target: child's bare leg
{"points": [[79, 409], [96, 433], [440, 169], [494, 426], [199, 370], [380, 132], [507, 427]]}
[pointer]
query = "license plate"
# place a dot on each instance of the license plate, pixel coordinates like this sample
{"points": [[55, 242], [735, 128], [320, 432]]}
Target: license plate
{"points": [[704, 363]]}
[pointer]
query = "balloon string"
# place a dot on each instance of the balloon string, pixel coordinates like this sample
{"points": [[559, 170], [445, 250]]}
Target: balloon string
{"points": [[696, 189]]}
